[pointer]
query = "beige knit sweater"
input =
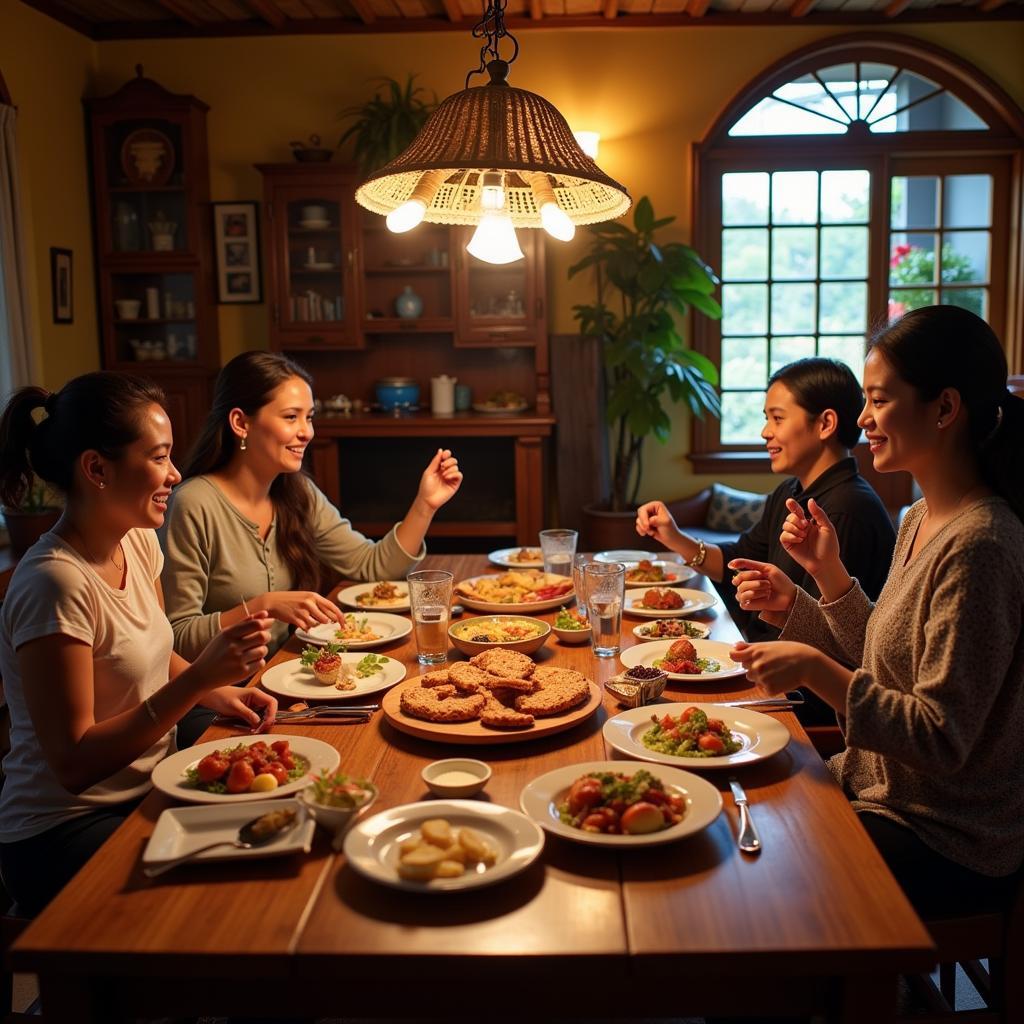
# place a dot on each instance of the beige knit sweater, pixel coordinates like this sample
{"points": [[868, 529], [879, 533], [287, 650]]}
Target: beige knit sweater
{"points": [[935, 716]]}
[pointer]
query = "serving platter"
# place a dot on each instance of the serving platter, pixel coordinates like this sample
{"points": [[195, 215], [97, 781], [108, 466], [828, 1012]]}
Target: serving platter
{"points": [[524, 608], [295, 681]]}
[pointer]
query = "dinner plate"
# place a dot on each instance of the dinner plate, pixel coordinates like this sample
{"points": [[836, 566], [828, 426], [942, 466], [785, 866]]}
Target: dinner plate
{"points": [[622, 555], [180, 830], [503, 557], [703, 627], [372, 845], [680, 574], [540, 798], [499, 410], [693, 601], [169, 775], [294, 680], [348, 597], [525, 608], [648, 653], [390, 627], [761, 735]]}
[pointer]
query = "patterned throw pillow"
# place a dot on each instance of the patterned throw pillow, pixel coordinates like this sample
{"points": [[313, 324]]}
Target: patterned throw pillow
{"points": [[733, 511]]}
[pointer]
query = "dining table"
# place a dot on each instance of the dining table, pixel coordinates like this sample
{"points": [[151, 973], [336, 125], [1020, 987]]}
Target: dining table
{"points": [[812, 924]]}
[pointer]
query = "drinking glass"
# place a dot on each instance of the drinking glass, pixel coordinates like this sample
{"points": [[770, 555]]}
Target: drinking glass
{"points": [[577, 581], [605, 587], [558, 547], [430, 594]]}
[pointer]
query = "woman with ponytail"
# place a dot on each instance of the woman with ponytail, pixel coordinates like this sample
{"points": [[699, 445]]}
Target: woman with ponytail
{"points": [[934, 715], [92, 683], [249, 531]]}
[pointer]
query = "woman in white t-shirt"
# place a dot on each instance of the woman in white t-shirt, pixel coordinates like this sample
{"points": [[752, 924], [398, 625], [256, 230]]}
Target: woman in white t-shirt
{"points": [[86, 657]]}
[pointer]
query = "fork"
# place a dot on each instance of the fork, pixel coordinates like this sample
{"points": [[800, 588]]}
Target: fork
{"points": [[327, 711]]}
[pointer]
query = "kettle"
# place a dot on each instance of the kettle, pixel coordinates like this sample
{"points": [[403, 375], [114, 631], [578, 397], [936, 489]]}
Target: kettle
{"points": [[442, 395]]}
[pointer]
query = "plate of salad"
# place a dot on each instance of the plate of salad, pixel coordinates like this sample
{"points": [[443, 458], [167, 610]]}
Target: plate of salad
{"points": [[570, 627], [329, 673], [685, 659], [696, 736]]}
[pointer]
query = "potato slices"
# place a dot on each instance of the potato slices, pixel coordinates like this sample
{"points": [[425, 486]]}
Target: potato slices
{"points": [[440, 851]]}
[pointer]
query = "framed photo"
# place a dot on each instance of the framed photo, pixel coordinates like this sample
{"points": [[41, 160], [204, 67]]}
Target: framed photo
{"points": [[236, 237], [61, 284]]}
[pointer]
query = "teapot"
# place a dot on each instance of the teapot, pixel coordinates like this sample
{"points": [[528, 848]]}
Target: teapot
{"points": [[442, 395]]}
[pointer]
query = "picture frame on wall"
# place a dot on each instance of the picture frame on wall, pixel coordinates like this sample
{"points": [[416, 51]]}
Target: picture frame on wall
{"points": [[237, 241], [62, 286]]}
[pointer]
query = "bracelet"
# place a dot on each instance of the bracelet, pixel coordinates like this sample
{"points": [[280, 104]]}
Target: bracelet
{"points": [[149, 710], [698, 559]]}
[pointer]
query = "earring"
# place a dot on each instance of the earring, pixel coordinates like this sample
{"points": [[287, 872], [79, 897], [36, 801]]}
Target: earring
{"points": [[242, 445], [102, 485], [938, 423]]}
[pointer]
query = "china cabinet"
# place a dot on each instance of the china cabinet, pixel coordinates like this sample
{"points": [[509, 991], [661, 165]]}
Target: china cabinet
{"points": [[151, 194]]}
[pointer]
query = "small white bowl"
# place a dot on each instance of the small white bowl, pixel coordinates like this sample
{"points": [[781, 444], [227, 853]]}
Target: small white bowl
{"points": [[572, 636], [434, 776], [333, 819]]}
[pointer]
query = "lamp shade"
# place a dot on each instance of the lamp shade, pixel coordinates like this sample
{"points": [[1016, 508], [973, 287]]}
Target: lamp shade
{"points": [[496, 127]]}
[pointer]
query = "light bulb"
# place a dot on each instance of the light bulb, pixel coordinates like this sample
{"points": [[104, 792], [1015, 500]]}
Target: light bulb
{"points": [[492, 190], [494, 240], [556, 223], [406, 216], [588, 142]]}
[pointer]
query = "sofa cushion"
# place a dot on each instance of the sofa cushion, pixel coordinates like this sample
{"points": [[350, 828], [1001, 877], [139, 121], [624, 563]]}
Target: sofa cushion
{"points": [[732, 511]]}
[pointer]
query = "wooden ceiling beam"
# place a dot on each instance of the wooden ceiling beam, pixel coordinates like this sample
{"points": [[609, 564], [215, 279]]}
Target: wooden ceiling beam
{"points": [[182, 12], [453, 10], [611, 9], [801, 7], [364, 10], [269, 12], [896, 7], [536, 10], [697, 8]]}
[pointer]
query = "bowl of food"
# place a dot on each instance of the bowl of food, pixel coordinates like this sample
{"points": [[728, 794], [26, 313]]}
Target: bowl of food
{"points": [[570, 627], [456, 777], [514, 632], [637, 686], [335, 798]]}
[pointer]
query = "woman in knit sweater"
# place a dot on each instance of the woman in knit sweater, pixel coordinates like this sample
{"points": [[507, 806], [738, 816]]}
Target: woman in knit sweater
{"points": [[933, 716]]}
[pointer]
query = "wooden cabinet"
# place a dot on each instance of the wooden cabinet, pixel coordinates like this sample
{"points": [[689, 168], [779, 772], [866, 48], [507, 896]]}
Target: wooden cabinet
{"points": [[151, 194]]}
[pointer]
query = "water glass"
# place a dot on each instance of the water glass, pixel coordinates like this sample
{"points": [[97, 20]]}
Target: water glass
{"points": [[605, 587], [430, 594], [558, 547], [577, 581]]}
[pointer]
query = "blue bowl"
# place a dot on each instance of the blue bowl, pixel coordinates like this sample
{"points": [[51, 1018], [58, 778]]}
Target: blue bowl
{"points": [[392, 394]]}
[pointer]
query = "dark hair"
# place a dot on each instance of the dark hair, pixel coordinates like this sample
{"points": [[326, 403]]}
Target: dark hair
{"points": [[818, 384], [99, 411], [246, 383], [939, 347]]}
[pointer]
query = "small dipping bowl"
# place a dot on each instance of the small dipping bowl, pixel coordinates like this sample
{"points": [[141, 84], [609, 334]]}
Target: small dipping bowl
{"points": [[456, 777]]}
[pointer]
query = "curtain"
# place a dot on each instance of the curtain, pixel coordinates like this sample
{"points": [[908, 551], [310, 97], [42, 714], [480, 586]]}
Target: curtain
{"points": [[17, 357]]}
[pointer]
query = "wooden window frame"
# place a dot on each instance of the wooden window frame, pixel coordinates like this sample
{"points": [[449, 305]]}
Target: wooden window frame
{"points": [[998, 151]]}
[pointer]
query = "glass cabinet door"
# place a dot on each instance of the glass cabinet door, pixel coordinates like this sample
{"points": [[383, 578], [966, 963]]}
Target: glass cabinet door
{"points": [[316, 256], [154, 317]]}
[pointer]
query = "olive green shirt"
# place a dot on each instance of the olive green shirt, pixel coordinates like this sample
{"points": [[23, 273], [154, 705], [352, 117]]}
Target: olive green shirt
{"points": [[214, 557]]}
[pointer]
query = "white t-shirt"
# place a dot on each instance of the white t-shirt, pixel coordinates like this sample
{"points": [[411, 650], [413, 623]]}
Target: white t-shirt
{"points": [[55, 591]]}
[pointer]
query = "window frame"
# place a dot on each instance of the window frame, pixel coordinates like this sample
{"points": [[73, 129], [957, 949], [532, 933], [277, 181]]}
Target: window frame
{"points": [[998, 151]]}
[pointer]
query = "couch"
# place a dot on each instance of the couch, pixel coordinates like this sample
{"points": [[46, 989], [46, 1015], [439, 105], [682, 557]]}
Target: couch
{"points": [[718, 513]]}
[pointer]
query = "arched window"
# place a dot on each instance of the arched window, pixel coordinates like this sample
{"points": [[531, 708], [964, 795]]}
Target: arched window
{"points": [[855, 180]]}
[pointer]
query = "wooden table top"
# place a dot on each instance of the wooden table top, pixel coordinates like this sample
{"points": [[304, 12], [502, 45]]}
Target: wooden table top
{"points": [[817, 901]]}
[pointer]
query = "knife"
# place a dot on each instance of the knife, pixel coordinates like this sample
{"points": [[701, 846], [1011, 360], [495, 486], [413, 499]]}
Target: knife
{"points": [[749, 841]]}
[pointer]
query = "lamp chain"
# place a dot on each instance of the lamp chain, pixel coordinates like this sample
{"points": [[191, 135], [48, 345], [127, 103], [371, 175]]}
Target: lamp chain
{"points": [[491, 28]]}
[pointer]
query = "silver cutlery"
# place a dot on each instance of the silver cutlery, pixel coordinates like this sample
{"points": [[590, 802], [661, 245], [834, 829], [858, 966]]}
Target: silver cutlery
{"points": [[321, 713], [749, 841], [765, 703]]}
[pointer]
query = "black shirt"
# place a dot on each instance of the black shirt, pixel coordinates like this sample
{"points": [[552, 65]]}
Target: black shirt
{"points": [[862, 524]]}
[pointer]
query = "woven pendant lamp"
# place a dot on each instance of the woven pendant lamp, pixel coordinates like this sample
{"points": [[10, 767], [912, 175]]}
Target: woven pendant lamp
{"points": [[495, 135]]}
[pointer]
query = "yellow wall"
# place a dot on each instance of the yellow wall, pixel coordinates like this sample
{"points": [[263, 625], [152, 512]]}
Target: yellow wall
{"points": [[651, 93]]}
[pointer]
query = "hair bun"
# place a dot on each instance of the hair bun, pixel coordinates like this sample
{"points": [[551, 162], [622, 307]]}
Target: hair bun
{"points": [[50, 403]]}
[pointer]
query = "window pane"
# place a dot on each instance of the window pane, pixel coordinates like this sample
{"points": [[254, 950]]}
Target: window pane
{"points": [[843, 307], [845, 197], [967, 201], [795, 197], [744, 362], [770, 117], [943, 112], [844, 252], [965, 256], [842, 83], [744, 309], [794, 254], [809, 93], [974, 299], [792, 308], [742, 417], [874, 80], [745, 198], [745, 254], [912, 259], [903, 300], [915, 202], [847, 348], [786, 350]]}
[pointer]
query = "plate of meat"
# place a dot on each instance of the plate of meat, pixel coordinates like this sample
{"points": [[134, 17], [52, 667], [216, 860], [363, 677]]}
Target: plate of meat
{"points": [[667, 602], [693, 660]]}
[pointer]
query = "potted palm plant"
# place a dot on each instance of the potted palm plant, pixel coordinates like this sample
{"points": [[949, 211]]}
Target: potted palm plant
{"points": [[31, 517], [643, 287]]}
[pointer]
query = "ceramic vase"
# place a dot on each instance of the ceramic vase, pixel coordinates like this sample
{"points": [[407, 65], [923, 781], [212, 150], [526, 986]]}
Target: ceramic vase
{"points": [[408, 305]]}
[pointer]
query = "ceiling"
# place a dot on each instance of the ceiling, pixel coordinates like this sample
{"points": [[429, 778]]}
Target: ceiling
{"points": [[148, 19]]}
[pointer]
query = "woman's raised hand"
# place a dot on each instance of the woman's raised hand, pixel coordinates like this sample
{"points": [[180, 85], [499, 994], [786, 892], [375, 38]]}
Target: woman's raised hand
{"points": [[761, 586], [235, 653], [654, 520], [810, 540], [302, 608], [440, 480]]}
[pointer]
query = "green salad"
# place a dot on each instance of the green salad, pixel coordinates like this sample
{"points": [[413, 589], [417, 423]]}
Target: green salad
{"points": [[692, 734]]}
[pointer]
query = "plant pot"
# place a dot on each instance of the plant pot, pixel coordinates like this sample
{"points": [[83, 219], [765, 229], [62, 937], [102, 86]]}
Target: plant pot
{"points": [[603, 530], [312, 156], [25, 528]]}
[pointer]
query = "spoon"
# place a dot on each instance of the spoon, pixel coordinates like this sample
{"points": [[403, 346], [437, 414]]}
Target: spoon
{"points": [[249, 837]]}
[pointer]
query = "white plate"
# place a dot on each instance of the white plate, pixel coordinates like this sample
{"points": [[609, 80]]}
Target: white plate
{"points": [[348, 597], [497, 608], [648, 653], [371, 847], [169, 775], [693, 601], [761, 735], [503, 558], [540, 798], [294, 680], [390, 627], [494, 410], [682, 573], [705, 631], [180, 830], [622, 555]]}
